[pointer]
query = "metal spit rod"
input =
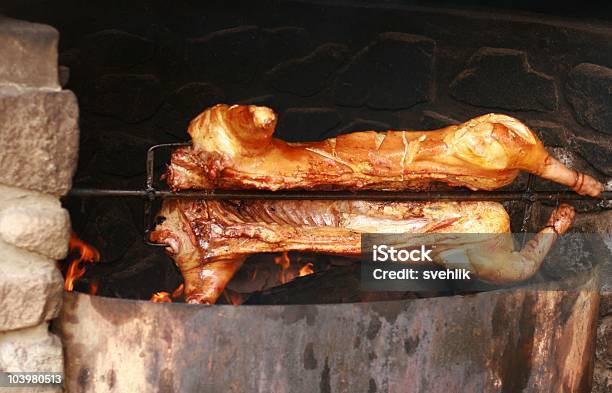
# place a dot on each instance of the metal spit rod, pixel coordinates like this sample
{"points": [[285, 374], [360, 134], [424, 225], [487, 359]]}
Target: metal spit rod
{"points": [[153, 194]]}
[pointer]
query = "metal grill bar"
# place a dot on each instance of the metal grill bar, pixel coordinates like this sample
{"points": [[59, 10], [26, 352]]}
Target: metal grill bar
{"points": [[533, 196], [150, 194]]}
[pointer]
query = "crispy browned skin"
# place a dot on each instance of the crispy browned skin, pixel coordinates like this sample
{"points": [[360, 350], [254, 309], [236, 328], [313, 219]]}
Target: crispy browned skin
{"points": [[209, 240], [233, 148]]}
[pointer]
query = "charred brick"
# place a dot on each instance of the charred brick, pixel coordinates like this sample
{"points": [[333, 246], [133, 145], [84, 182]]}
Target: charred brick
{"points": [[284, 43], [114, 147], [395, 71], [588, 90], [503, 78], [597, 151], [116, 48], [129, 97], [308, 75], [230, 55], [112, 230]]}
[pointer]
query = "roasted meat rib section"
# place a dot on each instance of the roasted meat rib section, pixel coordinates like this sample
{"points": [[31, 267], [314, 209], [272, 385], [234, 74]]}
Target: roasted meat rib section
{"points": [[209, 240], [233, 148]]}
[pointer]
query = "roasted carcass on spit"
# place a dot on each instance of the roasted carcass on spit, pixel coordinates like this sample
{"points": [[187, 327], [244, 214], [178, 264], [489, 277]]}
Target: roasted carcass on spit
{"points": [[233, 148], [209, 240]]}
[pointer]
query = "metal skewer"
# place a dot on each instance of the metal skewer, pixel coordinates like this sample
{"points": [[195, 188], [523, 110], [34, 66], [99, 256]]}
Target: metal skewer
{"points": [[401, 196]]}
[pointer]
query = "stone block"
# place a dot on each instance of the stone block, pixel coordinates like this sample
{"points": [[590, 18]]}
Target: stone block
{"points": [[28, 54], [308, 75], [503, 78], [39, 136], [8, 194], [36, 223], [129, 97], [306, 124], [30, 288], [395, 71], [588, 88], [34, 349]]}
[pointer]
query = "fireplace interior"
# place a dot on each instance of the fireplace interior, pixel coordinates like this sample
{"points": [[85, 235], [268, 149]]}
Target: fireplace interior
{"points": [[142, 71], [141, 81]]}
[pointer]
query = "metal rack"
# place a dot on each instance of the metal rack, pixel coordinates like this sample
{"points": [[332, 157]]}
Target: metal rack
{"points": [[151, 193]]}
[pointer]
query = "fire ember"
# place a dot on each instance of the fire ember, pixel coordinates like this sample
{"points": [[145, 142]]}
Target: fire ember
{"points": [[81, 255]]}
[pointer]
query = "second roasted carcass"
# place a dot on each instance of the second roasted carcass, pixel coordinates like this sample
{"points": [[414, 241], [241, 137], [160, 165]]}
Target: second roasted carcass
{"points": [[209, 240], [233, 148]]}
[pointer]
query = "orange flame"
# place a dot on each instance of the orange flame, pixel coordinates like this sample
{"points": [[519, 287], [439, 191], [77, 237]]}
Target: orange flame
{"points": [[165, 297], [178, 292], [286, 274], [76, 269], [161, 297], [306, 269], [284, 262]]}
